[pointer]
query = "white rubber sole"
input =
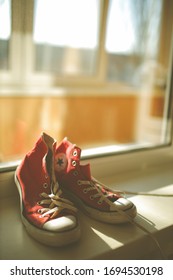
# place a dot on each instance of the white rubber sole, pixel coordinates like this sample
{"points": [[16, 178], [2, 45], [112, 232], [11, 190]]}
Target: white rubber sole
{"points": [[55, 239], [111, 217]]}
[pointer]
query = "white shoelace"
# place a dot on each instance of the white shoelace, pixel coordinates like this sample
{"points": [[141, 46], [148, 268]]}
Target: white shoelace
{"points": [[95, 185], [55, 203]]}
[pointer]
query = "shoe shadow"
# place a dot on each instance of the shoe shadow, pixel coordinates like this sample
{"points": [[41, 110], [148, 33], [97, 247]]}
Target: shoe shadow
{"points": [[104, 241], [128, 241]]}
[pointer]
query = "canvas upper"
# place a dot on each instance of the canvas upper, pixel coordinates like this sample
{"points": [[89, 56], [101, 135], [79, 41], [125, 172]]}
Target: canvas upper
{"points": [[97, 200], [43, 204]]}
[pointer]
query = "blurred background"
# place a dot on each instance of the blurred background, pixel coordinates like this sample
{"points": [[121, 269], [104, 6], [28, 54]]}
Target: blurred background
{"points": [[96, 71]]}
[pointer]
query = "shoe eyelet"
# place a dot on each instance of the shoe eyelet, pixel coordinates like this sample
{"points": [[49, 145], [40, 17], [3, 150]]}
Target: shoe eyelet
{"points": [[99, 202], [39, 211], [75, 173], [45, 185], [75, 153], [91, 197], [73, 163], [79, 183], [85, 190], [39, 203]]}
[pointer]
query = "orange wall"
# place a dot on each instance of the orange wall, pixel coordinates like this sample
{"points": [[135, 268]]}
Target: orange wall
{"points": [[84, 120]]}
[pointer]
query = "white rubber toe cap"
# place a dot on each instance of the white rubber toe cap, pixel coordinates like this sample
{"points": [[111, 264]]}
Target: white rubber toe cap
{"points": [[61, 224], [123, 203]]}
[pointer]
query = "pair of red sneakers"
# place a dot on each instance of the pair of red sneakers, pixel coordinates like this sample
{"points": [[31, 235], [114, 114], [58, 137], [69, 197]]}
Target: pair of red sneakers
{"points": [[53, 184]]}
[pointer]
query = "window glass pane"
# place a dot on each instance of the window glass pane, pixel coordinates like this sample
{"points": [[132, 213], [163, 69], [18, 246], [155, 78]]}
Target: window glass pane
{"points": [[66, 36], [138, 44], [5, 32], [132, 38]]}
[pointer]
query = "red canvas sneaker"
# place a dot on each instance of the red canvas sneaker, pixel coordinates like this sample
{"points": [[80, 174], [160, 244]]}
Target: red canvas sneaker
{"points": [[48, 216], [97, 200]]}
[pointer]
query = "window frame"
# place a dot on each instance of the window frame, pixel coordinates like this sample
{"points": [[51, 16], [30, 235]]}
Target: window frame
{"points": [[21, 41]]}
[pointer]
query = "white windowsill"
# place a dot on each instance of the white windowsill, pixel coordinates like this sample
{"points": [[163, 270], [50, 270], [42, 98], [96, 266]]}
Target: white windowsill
{"points": [[66, 89], [98, 240]]}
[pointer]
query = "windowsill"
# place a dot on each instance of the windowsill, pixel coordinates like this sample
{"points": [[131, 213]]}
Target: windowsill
{"points": [[98, 240], [94, 152], [86, 88]]}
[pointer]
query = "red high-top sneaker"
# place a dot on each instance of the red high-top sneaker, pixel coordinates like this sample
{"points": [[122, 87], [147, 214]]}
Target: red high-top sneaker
{"points": [[97, 200], [47, 215]]}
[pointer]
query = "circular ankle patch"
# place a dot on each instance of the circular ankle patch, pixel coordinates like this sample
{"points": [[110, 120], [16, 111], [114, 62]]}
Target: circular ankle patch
{"points": [[60, 162]]}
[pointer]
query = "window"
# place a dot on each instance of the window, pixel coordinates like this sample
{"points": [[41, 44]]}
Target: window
{"points": [[67, 46], [132, 38], [5, 32], [96, 71]]}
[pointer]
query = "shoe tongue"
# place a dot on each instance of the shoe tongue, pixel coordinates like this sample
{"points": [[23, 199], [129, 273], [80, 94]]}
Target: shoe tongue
{"points": [[86, 171], [48, 162], [64, 146], [48, 140]]}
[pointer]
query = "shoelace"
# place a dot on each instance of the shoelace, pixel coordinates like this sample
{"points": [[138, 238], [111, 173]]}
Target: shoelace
{"points": [[96, 185], [55, 203], [103, 192]]}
